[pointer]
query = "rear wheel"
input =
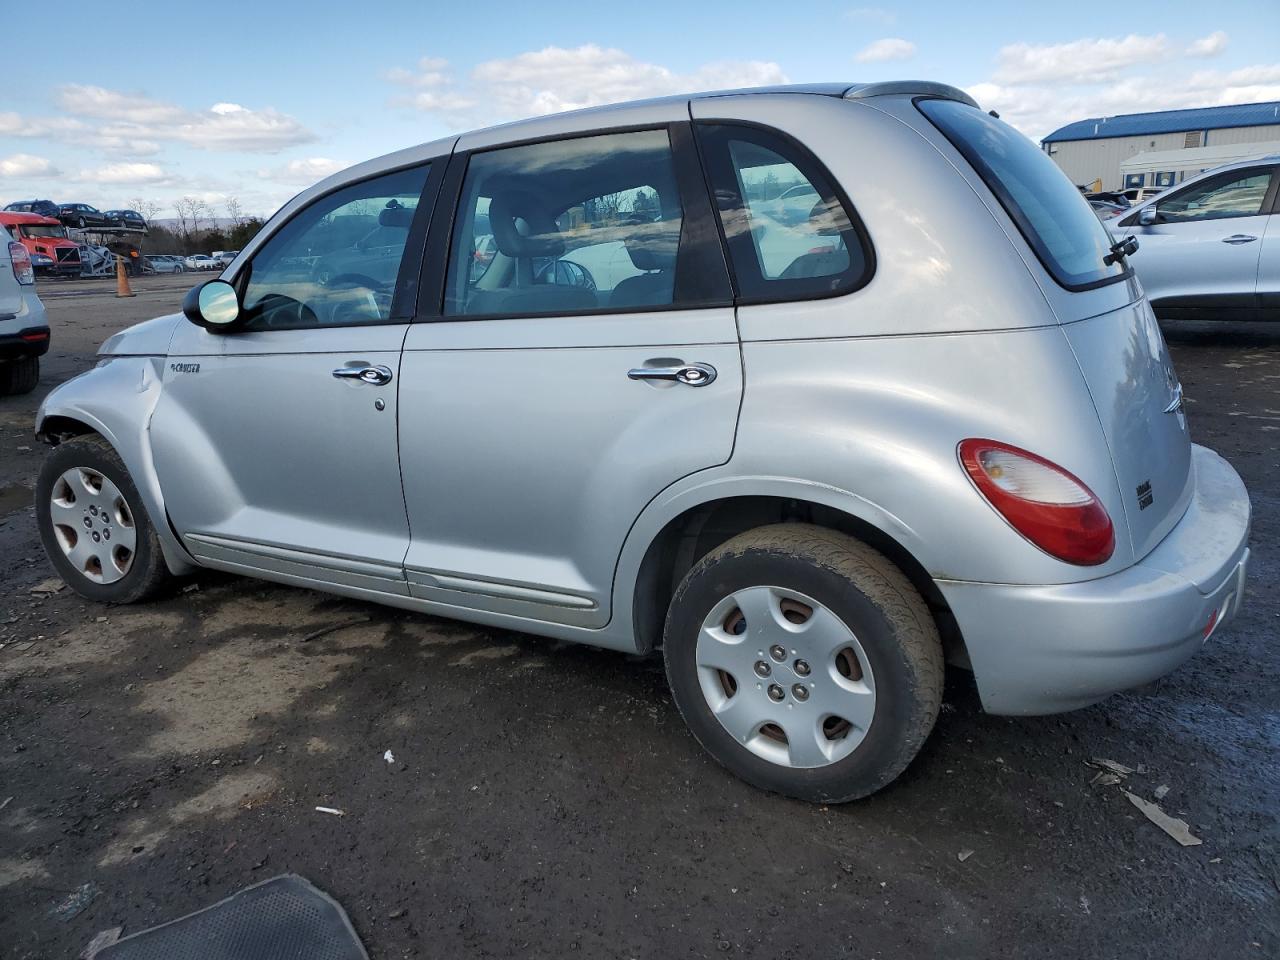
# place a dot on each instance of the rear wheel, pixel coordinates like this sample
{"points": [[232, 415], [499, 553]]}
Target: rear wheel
{"points": [[805, 662], [19, 376], [95, 529]]}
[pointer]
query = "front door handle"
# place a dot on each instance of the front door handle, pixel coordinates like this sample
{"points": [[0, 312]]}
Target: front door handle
{"points": [[1239, 238], [690, 374], [376, 374]]}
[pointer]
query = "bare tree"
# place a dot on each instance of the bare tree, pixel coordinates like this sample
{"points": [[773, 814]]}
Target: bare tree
{"points": [[148, 208], [199, 211], [184, 208], [234, 211]]}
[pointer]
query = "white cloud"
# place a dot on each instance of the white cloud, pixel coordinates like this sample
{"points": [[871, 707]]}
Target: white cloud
{"points": [[1039, 110], [1209, 46], [554, 79], [125, 173], [132, 122], [890, 48], [303, 171], [26, 165], [1080, 61], [874, 14], [17, 125]]}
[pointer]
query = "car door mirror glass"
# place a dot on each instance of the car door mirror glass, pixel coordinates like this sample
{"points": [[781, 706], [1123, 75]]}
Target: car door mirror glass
{"points": [[1149, 215], [214, 305]]}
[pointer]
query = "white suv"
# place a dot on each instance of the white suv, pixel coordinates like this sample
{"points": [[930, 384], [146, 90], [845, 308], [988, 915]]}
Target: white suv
{"points": [[24, 332]]}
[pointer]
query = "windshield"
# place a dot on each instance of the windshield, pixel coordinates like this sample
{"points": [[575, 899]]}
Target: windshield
{"points": [[44, 232], [1050, 212]]}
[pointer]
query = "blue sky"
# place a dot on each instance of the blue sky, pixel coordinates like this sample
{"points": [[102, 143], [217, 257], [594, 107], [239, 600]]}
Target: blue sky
{"points": [[254, 101]]}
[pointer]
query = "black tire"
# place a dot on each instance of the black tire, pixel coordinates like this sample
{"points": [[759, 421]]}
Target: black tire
{"points": [[872, 597], [19, 376], [147, 574]]}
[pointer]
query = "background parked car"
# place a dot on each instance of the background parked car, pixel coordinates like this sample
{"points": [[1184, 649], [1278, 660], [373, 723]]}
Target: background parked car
{"points": [[24, 331], [1209, 248], [1116, 197], [201, 261], [82, 215], [224, 257], [164, 263], [45, 208], [1107, 210], [127, 218]]}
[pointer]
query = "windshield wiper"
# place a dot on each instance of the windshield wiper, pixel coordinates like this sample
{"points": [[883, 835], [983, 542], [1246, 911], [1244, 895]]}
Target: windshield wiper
{"points": [[1122, 248]]}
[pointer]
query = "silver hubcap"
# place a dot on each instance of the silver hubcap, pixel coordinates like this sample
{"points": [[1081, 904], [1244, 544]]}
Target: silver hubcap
{"points": [[93, 524], [785, 677]]}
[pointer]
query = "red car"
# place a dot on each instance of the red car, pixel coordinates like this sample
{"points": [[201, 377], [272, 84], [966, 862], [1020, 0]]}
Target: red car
{"points": [[52, 253]]}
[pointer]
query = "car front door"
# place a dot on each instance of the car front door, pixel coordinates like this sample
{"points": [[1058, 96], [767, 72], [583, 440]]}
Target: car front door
{"points": [[569, 376], [275, 444], [1202, 252]]}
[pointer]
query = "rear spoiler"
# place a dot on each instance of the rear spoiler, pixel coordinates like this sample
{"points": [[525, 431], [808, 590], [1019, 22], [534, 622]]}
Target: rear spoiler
{"points": [[908, 88]]}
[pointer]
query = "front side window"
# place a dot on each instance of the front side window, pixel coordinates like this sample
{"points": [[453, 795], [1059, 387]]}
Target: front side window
{"points": [[567, 226], [1237, 194], [790, 235], [1049, 211], [337, 261]]}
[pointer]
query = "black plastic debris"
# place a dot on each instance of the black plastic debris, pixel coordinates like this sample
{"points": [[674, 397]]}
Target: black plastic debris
{"points": [[284, 918]]}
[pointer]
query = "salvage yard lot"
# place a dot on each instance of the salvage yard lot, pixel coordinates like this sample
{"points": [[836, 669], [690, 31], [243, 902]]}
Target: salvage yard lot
{"points": [[546, 800]]}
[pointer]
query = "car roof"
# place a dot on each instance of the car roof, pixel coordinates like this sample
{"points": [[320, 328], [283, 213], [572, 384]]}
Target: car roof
{"points": [[12, 216], [842, 89]]}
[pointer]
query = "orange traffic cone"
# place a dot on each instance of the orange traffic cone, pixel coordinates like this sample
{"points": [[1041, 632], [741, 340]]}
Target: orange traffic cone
{"points": [[122, 280]]}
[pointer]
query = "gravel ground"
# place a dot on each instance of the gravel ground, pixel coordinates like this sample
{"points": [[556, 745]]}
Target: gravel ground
{"points": [[546, 801]]}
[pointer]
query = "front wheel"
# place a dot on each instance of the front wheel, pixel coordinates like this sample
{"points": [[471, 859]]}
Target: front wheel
{"points": [[805, 662], [94, 527]]}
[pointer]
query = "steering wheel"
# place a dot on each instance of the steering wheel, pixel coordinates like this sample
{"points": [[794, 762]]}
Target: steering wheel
{"points": [[352, 308]]}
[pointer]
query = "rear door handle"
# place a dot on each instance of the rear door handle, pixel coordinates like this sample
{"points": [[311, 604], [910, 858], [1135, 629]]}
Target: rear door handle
{"points": [[376, 374], [1236, 238], [690, 374]]}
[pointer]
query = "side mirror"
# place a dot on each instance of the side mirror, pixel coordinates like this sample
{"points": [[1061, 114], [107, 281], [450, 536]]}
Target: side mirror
{"points": [[1148, 216], [214, 305]]}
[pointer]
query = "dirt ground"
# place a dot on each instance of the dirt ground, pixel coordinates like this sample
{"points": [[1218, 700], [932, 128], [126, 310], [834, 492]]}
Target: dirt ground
{"points": [[546, 801]]}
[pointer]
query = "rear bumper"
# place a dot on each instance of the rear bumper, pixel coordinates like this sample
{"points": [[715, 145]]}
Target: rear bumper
{"points": [[1046, 649], [27, 342]]}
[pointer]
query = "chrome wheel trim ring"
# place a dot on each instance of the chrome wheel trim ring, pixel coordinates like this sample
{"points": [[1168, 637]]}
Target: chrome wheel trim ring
{"points": [[93, 524], [785, 677]]}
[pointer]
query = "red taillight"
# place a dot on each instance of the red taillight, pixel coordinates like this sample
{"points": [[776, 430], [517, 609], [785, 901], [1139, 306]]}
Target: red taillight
{"points": [[22, 270], [1046, 504]]}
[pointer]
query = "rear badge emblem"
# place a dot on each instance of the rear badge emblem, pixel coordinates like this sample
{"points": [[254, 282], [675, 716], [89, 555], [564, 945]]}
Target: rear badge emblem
{"points": [[1145, 496], [185, 367]]}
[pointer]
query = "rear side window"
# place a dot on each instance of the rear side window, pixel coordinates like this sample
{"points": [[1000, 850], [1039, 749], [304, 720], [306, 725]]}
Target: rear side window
{"points": [[1052, 215], [568, 226], [790, 233]]}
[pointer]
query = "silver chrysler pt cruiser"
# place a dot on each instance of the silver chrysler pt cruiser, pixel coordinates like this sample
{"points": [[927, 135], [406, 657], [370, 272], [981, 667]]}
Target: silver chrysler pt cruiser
{"points": [[815, 389]]}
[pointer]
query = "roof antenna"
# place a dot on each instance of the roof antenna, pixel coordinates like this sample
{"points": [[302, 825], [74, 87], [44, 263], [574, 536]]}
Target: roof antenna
{"points": [[992, 113]]}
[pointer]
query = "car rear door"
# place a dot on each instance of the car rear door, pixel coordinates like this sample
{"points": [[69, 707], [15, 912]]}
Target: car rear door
{"points": [[558, 386], [1202, 253], [275, 444]]}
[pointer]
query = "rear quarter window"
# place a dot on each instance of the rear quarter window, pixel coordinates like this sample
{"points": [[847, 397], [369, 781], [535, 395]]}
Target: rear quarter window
{"points": [[1049, 211]]}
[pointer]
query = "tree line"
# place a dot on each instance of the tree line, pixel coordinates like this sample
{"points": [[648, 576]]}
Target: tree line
{"points": [[198, 228]]}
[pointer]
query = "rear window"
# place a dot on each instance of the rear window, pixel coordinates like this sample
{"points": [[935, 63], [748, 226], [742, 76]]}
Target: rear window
{"points": [[1050, 212]]}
